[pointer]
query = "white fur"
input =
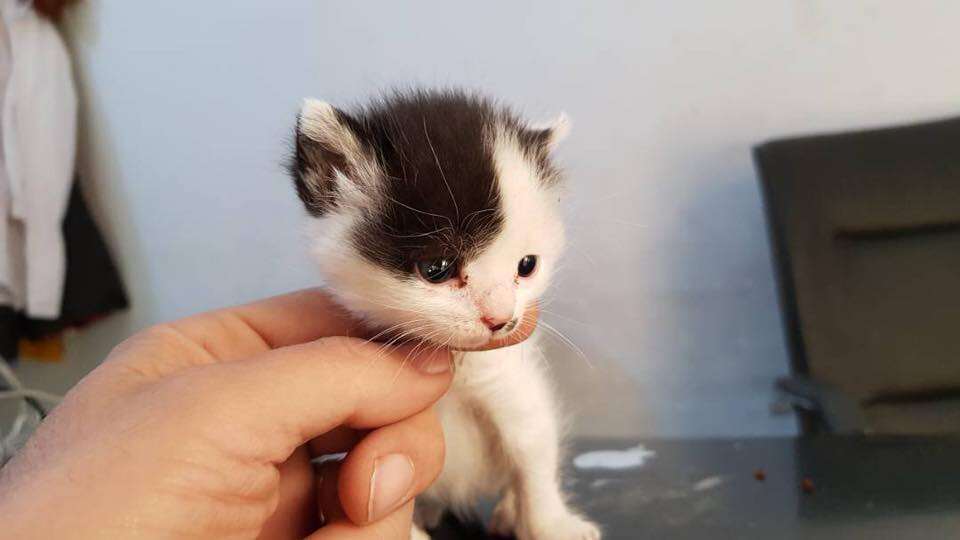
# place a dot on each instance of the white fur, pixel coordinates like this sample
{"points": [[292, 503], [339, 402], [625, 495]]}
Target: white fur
{"points": [[500, 419]]}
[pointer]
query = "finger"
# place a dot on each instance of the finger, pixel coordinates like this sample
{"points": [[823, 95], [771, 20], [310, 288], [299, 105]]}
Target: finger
{"points": [[284, 398], [297, 317], [528, 323], [234, 333], [295, 515], [390, 466], [289, 319], [396, 526]]}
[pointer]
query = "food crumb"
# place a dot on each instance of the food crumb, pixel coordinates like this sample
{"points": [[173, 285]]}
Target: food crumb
{"points": [[807, 485], [759, 475]]}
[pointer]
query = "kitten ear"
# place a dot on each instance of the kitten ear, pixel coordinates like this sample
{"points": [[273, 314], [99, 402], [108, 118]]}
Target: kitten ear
{"points": [[549, 135], [329, 151]]}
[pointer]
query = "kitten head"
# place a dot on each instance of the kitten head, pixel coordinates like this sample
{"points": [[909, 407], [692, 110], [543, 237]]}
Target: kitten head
{"points": [[433, 214]]}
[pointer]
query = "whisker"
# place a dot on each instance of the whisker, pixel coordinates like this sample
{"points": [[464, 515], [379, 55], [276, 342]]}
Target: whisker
{"points": [[385, 348], [384, 331], [420, 235], [421, 344], [555, 314], [412, 209], [563, 338], [426, 133]]}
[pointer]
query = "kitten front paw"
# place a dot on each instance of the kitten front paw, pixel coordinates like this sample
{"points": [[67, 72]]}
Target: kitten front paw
{"points": [[568, 527]]}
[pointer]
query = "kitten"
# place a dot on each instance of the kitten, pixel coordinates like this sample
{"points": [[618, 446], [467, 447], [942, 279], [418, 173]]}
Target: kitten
{"points": [[434, 216]]}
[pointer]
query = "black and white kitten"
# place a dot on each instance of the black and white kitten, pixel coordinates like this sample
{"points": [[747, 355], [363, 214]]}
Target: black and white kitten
{"points": [[434, 216]]}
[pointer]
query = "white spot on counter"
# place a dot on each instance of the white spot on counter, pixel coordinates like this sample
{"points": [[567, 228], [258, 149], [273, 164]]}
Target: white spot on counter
{"points": [[614, 459], [709, 482]]}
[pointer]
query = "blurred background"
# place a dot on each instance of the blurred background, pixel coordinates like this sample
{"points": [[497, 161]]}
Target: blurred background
{"points": [[186, 111]]}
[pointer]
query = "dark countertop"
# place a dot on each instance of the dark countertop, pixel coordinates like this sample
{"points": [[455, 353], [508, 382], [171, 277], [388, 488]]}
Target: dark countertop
{"points": [[877, 488]]}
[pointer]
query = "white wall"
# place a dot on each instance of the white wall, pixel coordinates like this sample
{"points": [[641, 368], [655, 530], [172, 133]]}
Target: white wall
{"points": [[668, 286]]}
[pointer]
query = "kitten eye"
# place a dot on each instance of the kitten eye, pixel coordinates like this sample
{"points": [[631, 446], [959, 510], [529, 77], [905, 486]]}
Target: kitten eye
{"points": [[437, 270], [527, 265]]}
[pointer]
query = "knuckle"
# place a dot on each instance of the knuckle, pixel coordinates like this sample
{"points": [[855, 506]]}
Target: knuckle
{"points": [[155, 332], [148, 335]]}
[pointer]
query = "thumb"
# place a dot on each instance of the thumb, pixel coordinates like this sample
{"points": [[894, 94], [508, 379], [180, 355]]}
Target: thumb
{"points": [[287, 396]]}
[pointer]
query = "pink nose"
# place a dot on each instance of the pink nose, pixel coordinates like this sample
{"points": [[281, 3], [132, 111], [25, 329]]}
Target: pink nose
{"points": [[494, 323]]}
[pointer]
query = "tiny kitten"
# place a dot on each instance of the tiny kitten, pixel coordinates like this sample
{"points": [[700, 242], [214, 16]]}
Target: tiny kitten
{"points": [[434, 216]]}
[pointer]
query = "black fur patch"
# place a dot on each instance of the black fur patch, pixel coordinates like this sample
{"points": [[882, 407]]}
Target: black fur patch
{"points": [[440, 195]]}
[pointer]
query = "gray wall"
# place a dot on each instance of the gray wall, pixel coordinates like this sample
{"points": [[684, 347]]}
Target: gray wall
{"points": [[667, 287]]}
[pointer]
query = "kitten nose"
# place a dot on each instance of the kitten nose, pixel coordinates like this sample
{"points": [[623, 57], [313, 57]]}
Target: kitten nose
{"points": [[493, 324]]}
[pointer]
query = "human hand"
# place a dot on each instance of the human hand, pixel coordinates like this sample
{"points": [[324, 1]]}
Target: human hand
{"points": [[205, 427]]}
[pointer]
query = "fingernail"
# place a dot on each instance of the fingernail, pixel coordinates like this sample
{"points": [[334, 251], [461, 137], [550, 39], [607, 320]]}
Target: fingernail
{"points": [[389, 484], [434, 363]]}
